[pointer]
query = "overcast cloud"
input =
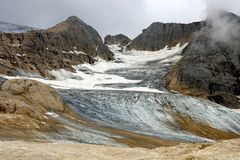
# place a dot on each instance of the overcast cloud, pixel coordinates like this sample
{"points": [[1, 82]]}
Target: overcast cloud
{"points": [[109, 16]]}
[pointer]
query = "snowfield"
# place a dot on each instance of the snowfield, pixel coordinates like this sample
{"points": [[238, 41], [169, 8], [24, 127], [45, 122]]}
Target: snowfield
{"points": [[92, 76]]}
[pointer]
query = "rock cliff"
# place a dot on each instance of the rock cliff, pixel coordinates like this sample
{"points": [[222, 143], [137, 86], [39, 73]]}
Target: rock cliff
{"points": [[159, 35], [210, 67]]}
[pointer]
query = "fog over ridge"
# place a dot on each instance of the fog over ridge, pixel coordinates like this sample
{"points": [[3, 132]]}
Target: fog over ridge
{"points": [[224, 27]]}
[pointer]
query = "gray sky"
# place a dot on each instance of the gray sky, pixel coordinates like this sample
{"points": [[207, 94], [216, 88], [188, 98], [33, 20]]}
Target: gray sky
{"points": [[108, 16]]}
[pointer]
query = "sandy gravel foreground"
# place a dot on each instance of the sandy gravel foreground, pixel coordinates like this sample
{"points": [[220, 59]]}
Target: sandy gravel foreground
{"points": [[21, 150]]}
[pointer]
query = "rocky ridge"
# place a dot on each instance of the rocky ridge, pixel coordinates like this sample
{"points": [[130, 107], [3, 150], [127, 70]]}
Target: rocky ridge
{"points": [[71, 42], [159, 35]]}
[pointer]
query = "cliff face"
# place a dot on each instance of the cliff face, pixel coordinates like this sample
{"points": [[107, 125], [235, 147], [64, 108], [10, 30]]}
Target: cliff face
{"points": [[68, 43], [159, 35], [210, 66]]}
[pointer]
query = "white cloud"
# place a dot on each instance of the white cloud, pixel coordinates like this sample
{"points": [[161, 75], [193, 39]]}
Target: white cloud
{"points": [[224, 28], [183, 11], [228, 5]]}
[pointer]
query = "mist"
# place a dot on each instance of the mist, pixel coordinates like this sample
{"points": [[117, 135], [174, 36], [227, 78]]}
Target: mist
{"points": [[214, 6], [225, 26]]}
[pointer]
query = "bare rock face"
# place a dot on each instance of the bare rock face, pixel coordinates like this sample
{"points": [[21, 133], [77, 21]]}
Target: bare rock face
{"points": [[120, 39], [159, 35], [210, 67], [23, 105], [68, 43]]}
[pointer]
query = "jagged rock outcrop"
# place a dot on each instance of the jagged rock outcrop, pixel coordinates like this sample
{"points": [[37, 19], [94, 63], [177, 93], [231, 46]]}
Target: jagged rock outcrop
{"points": [[119, 39], [68, 43], [210, 67], [159, 35]]}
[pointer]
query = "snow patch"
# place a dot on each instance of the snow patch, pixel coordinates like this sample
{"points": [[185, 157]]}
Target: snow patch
{"points": [[75, 52], [84, 80], [52, 114], [236, 110], [136, 57], [19, 55], [15, 45]]}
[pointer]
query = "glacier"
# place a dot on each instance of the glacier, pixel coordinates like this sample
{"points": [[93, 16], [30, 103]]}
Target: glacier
{"points": [[129, 94]]}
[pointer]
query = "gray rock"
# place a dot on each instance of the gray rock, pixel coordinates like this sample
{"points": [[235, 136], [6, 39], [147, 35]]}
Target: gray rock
{"points": [[159, 35]]}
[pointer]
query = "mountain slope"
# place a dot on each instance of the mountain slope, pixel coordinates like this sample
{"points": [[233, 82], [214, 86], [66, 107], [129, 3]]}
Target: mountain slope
{"points": [[69, 43]]}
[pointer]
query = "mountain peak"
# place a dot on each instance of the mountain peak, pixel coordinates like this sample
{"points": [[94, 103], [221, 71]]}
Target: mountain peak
{"points": [[74, 20]]}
